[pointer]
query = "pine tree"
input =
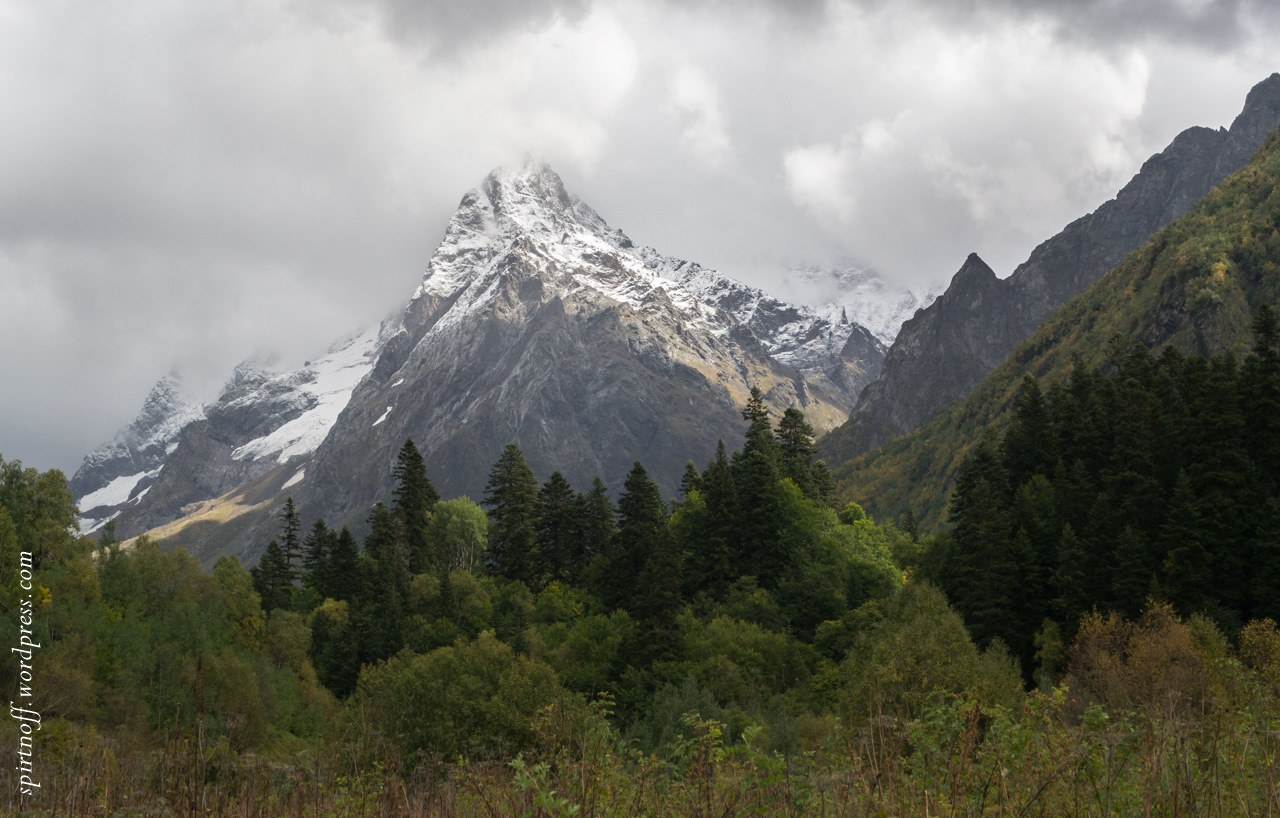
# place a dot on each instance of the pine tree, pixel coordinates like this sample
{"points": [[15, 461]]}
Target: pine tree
{"points": [[317, 550], [271, 577], [797, 450], [344, 568], [512, 498], [689, 480], [557, 526], [642, 521], [755, 481], [415, 497], [289, 539]]}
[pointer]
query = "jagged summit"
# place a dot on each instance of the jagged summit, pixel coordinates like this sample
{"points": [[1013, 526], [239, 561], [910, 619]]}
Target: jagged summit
{"points": [[120, 471], [535, 322], [946, 350], [523, 223]]}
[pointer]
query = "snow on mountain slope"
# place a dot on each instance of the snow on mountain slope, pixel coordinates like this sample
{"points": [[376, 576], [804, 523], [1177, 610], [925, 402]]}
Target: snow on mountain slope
{"points": [[861, 296], [326, 385], [119, 471]]}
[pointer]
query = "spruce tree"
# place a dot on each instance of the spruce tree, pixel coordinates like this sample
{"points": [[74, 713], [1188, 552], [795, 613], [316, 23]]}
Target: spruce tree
{"points": [[689, 480], [557, 527], [642, 521], [290, 526], [796, 450], [271, 577], [414, 498], [712, 570], [317, 550], [755, 480], [599, 522], [512, 498], [344, 568]]}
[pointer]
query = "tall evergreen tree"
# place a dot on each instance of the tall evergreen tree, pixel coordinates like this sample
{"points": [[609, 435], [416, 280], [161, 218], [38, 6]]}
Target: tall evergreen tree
{"points": [[557, 527], [414, 498], [317, 552], [689, 480], [272, 577], [345, 577], [796, 450], [598, 524], [642, 521], [712, 570], [755, 480], [512, 498], [290, 541]]}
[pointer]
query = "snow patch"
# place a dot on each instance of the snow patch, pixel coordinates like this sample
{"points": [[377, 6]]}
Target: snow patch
{"points": [[330, 381], [296, 479], [115, 492], [384, 416]]}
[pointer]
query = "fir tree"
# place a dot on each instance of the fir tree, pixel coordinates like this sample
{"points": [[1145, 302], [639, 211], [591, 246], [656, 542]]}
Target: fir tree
{"points": [[715, 543], [598, 525], [642, 521], [755, 481], [796, 450], [689, 480], [512, 498], [317, 551], [344, 568], [271, 577], [290, 526], [557, 527], [415, 497]]}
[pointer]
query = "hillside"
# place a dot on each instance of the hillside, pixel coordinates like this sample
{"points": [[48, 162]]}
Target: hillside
{"points": [[1196, 285]]}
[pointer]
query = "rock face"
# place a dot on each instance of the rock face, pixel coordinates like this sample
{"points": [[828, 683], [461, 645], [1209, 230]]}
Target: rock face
{"points": [[120, 473], [536, 323], [262, 419], [945, 350]]}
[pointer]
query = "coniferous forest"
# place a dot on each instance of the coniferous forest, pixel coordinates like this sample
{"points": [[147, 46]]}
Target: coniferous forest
{"points": [[1092, 633]]}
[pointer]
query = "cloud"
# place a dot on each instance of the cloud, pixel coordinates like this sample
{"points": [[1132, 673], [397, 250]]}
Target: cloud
{"points": [[188, 184], [695, 98]]}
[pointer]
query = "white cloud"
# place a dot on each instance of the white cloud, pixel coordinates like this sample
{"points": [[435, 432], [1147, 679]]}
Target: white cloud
{"points": [[190, 183], [694, 97]]}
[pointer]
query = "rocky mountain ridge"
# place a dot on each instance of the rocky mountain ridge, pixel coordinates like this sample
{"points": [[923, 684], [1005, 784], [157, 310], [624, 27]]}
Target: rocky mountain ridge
{"points": [[537, 323], [945, 350]]}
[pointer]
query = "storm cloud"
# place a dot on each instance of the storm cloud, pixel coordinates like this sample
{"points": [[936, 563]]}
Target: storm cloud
{"points": [[185, 185]]}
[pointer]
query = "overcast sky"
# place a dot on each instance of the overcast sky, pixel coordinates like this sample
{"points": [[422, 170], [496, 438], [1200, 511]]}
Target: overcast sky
{"points": [[185, 184]]}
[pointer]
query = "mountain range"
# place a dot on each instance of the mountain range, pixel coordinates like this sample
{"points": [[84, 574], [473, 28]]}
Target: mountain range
{"points": [[945, 350], [535, 323]]}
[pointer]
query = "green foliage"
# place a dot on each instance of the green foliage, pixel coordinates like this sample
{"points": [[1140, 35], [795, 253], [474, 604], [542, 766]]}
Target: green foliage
{"points": [[477, 700], [459, 535], [917, 651], [512, 498], [415, 500]]}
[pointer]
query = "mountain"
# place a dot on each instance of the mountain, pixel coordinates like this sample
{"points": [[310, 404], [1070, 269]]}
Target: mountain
{"points": [[946, 349], [1196, 285], [121, 472], [194, 453], [535, 323], [860, 295]]}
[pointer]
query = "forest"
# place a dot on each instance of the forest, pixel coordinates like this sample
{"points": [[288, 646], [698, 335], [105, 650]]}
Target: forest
{"points": [[1091, 632]]}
